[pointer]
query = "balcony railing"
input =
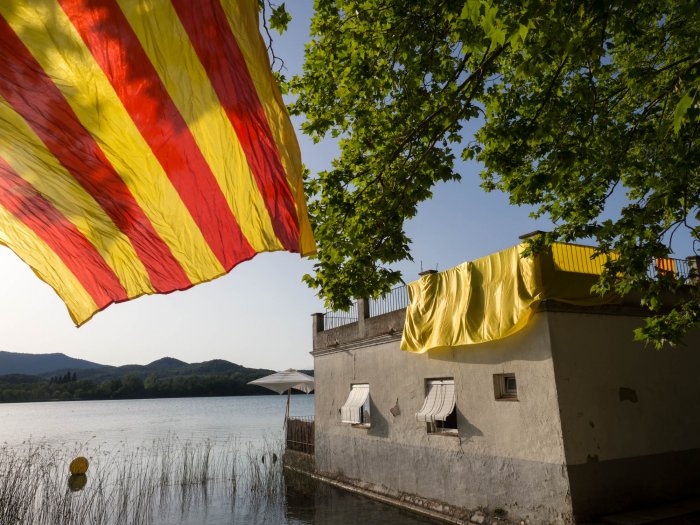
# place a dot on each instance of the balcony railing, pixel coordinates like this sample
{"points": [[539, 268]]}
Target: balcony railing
{"points": [[300, 434], [334, 319], [396, 299], [677, 267]]}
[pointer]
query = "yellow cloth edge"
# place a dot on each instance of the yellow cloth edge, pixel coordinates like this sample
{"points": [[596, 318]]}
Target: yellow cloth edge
{"points": [[242, 16], [31, 159], [46, 265]]}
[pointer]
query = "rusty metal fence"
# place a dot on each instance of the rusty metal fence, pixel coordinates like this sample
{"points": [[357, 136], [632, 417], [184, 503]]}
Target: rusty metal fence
{"points": [[300, 434]]}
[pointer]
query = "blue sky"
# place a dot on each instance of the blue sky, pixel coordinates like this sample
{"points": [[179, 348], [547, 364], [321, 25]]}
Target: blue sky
{"points": [[259, 314]]}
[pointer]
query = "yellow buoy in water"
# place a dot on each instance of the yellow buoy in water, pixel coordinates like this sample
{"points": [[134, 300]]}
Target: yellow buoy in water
{"points": [[79, 465]]}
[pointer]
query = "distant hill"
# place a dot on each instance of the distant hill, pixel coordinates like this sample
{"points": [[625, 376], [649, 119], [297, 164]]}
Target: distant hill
{"points": [[166, 367], [52, 377], [19, 379], [165, 362], [38, 364], [57, 377], [45, 366]]}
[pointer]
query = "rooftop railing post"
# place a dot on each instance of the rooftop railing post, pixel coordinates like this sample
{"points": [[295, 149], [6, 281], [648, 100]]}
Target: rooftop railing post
{"points": [[362, 314], [317, 322], [363, 308], [317, 326]]}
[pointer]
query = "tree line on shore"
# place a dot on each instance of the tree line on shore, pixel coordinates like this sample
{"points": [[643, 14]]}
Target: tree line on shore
{"points": [[130, 386]]}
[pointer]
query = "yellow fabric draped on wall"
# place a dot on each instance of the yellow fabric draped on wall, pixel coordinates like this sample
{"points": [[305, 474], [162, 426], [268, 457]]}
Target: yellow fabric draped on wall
{"points": [[495, 296]]}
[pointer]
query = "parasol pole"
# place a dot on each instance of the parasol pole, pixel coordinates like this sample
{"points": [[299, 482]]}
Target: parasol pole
{"points": [[286, 413]]}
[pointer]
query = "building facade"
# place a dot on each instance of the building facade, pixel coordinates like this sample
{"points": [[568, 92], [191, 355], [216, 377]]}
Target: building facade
{"points": [[563, 421]]}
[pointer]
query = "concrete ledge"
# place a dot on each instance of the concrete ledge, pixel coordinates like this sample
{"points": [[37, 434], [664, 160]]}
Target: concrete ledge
{"points": [[657, 514], [389, 326], [382, 326], [422, 508], [299, 461], [364, 343], [622, 309]]}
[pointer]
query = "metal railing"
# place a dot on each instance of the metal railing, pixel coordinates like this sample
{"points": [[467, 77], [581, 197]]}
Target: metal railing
{"points": [[334, 319], [661, 267], [396, 299], [300, 434]]}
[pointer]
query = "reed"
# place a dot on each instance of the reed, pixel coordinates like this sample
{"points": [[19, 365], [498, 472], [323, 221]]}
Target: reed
{"points": [[134, 485], [264, 470]]}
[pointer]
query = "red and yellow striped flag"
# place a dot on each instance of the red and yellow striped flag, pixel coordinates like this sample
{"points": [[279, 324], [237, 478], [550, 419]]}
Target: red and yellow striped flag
{"points": [[665, 266], [144, 146]]}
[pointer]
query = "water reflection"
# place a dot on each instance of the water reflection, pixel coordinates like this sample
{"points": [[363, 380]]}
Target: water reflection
{"points": [[312, 502], [77, 482], [300, 501], [188, 484], [159, 462]]}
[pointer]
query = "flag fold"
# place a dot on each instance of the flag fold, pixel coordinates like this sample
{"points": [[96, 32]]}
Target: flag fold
{"points": [[144, 146]]}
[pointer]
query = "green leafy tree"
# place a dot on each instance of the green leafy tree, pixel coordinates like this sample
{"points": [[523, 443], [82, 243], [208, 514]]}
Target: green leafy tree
{"points": [[586, 104], [152, 384], [131, 386]]}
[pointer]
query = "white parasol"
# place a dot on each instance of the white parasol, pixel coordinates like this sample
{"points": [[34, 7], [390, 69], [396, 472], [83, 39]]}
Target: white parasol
{"points": [[285, 381]]}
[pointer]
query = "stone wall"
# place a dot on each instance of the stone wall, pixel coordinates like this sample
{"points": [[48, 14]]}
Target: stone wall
{"points": [[507, 454], [602, 424], [389, 326], [629, 412]]}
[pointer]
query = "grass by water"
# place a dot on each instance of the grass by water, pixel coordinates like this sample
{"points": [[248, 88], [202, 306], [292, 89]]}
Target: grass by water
{"points": [[133, 486]]}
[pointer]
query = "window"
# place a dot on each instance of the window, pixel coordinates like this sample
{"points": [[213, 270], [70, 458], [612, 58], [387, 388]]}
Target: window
{"points": [[505, 387], [438, 410], [356, 409]]}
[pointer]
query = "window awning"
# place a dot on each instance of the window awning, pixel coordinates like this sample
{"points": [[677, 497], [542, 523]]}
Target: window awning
{"points": [[439, 402], [350, 412]]}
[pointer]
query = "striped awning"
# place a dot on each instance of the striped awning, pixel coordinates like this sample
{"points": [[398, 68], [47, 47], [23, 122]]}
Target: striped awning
{"points": [[351, 411], [144, 146], [439, 401]]}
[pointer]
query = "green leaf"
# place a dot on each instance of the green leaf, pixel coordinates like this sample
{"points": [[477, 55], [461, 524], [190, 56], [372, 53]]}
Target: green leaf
{"points": [[681, 109], [582, 119], [497, 36], [471, 10], [280, 18]]}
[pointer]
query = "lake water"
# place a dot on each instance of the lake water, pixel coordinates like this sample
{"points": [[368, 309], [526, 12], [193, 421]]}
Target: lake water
{"points": [[149, 451], [140, 421]]}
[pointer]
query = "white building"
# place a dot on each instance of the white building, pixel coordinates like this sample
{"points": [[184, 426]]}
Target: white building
{"points": [[564, 419]]}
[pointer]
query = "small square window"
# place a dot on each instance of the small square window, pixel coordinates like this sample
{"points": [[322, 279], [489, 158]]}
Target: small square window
{"points": [[505, 387]]}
